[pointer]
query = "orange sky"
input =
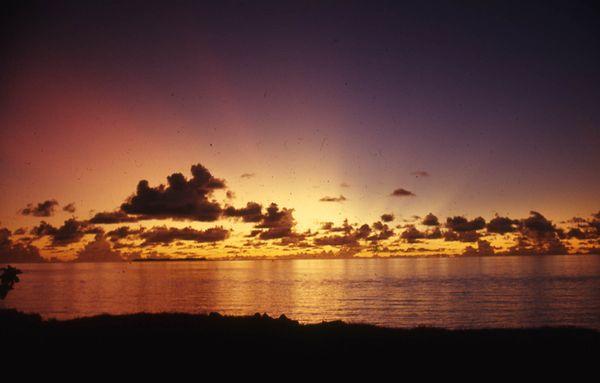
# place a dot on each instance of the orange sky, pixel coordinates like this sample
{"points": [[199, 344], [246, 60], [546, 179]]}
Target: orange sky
{"points": [[95, 99]]}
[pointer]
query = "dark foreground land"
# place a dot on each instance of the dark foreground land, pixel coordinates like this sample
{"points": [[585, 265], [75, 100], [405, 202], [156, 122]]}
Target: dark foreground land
{"points": [[260, 337]]}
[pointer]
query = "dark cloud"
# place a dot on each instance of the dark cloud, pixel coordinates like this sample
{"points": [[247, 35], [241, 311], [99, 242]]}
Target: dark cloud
{"points": [[501, 225], [387, 217], [70, 232], [336, 240], [382, 232], [350, 238], [594, 224], [577, 233], [179, 199], [413, 235], [329, 227], [462, 236], [248, 175], [69, 208], [420, 173], [20, 231], [278, 223], [17, 252], [165, 235], [123, 232], [251, 213], [341, 198], [109, 217], [98, 250], [530, 246], [402, 193], [537, 226], [42, 209], [538, 236], [430, 220], [461, 224], [483, 248]]}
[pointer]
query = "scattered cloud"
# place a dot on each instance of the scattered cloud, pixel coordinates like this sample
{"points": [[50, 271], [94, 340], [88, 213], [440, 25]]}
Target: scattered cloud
{"points": [[420, 173], [278, 223], [180, 199], [402, 193], [110, 217], [251, 213], [341, 198], [42, 209], [98, 250], [69, 208], [166, 235], [11, 252], [430, 220], [71, 231], [413, 235], [462, 224], [123, 232], [387, 217], [501, 225]]}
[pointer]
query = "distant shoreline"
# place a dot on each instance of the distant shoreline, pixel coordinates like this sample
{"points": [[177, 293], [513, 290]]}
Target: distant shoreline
{"points": [[169, 260], [284, 258]]}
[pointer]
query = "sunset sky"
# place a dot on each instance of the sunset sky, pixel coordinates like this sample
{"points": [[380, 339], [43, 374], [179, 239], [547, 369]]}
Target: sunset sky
{"points": [[331, 110]]}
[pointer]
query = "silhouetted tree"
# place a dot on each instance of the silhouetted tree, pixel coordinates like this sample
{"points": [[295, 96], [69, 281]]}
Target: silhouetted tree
{"points": [[8, 278]]}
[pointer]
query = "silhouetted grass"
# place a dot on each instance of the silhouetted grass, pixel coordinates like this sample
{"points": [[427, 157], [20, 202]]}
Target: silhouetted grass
{"points": [[260, 336]]}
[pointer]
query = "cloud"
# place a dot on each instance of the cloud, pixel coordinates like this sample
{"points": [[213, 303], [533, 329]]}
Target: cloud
{"points": [[279, 223], [382, 232], [350, 238], [461, 224], [179, 199], [413, 235], [537, 236], [166, 235], [251, 213], [70, 232], [387, 217], [42, 209], [21, 231], [344, 185], [483, 248], [537, 226], [462, 236], [336, 240], [329, 227], [98, 250], [123, 232], [501, 225], [248, 175], [17, 252], [420, 173], [109, 217], [69, 208], [463, 230], [531, 246], [402, 193], [430, 220], [341, 198]]}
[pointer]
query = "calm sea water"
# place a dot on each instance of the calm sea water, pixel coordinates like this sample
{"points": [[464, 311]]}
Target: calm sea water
{"points": [[446, 292]]}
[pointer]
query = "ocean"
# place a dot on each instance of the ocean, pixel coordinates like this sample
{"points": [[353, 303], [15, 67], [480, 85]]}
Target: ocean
{"points": [[475, 292]]}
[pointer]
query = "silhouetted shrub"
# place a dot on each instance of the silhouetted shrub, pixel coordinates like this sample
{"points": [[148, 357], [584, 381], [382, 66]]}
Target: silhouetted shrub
{"points": [[8, 277]]}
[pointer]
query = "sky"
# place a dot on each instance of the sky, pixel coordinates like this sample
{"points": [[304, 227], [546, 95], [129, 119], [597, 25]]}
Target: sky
{"points": [[332, 110]]}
